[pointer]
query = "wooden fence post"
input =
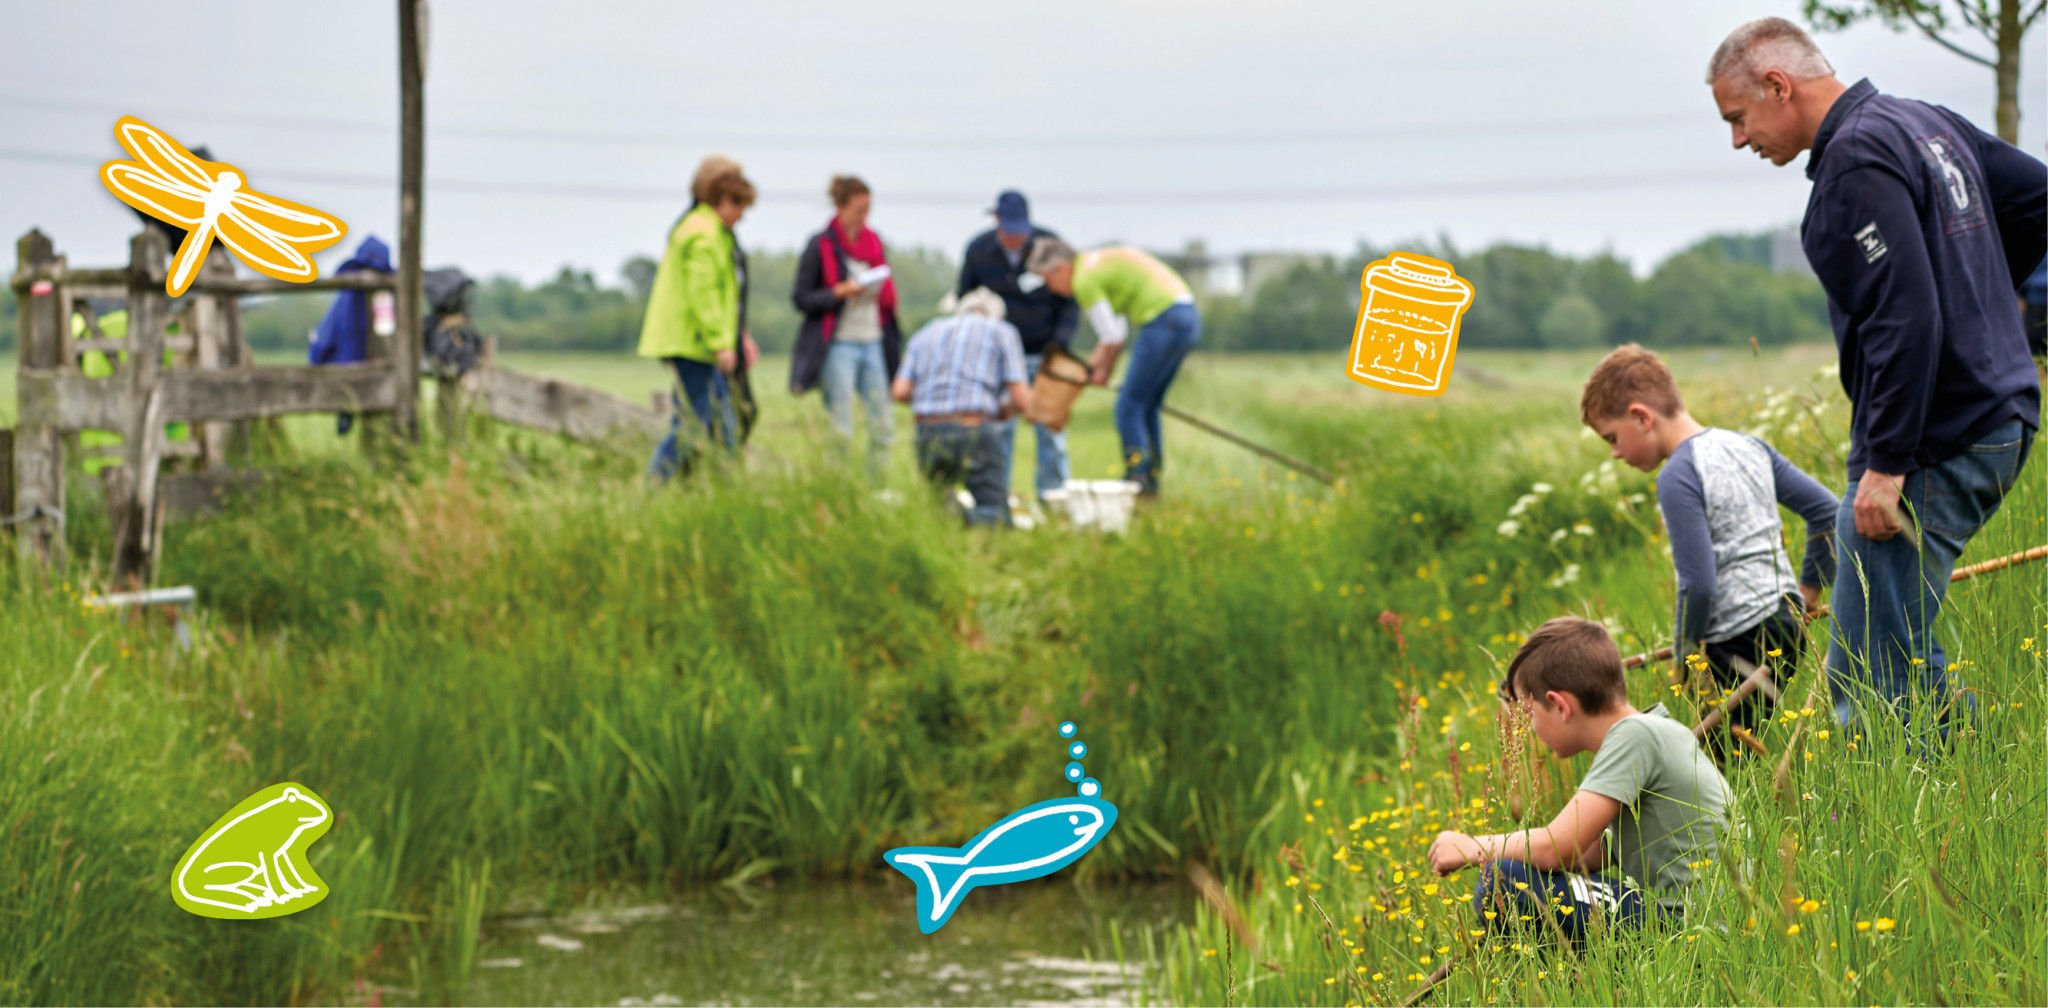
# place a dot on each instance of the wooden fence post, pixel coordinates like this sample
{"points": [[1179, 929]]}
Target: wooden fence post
{"points": [[39, 448], [405, 347], [212, 351], [132, 496]]}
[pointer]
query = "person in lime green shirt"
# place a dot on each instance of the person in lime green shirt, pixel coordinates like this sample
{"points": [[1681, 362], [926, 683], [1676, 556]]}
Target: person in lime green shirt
{"points": [[1120, 288], [695, 313], [96, 364]]}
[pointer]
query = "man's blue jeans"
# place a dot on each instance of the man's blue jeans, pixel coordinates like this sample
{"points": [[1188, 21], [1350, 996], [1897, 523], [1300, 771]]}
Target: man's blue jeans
{"points": [[1888, 594], [703, 386], [1156, 355], [861, 368], [952, 454], [1052, 445]]}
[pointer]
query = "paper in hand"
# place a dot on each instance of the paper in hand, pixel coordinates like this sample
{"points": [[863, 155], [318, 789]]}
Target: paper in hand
{"points": [[871, 275], [1028, 282]]}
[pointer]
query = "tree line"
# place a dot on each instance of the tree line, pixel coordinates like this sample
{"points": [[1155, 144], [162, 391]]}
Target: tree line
{"points": [[1719, 292]]}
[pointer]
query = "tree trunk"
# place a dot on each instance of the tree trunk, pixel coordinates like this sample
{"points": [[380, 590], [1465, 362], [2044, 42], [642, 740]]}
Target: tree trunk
{"points": [[2009, 33]]}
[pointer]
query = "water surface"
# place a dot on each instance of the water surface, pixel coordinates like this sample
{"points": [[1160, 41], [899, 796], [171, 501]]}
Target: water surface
{"points": [[1049, 942]]}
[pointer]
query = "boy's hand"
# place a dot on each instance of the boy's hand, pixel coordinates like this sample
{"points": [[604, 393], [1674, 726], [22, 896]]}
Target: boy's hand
{"points": [[1452, 851], [1811, 594]]}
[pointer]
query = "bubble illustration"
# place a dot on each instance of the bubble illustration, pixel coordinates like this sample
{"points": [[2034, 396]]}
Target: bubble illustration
{"points": [[1067, 729], [1078, 750], [1076, 771], [1091, 788]]}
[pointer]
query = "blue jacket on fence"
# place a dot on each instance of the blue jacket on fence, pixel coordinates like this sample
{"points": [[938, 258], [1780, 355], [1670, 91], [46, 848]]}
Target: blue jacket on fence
{"points": [[1921, 227], [344, 333], [1041, 317]]}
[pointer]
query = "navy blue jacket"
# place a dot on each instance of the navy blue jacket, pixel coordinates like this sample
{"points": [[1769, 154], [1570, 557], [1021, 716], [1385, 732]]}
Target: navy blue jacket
{"points": [[1041, 317], [1921, 226]]}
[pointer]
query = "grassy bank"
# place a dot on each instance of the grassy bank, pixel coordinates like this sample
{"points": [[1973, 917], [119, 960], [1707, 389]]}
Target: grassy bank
{"points": [[520, 675]]}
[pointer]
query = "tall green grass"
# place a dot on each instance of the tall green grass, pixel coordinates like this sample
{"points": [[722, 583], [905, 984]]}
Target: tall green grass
{"points": [[519, 675]]}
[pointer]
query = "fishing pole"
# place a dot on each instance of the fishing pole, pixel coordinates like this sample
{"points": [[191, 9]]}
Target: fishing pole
{"points": [[1961, 574], [1246, 443]]}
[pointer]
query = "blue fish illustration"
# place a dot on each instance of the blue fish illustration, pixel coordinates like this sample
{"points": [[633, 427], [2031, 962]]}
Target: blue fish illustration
{"points": [[1033, 841]]}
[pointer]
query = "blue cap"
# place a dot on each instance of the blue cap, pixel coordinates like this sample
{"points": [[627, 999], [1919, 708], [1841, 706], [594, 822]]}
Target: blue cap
{"points": [[1013, 215]]}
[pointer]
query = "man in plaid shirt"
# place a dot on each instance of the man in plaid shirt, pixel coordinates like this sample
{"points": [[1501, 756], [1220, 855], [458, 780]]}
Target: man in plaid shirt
{"points": [[954, 373]]}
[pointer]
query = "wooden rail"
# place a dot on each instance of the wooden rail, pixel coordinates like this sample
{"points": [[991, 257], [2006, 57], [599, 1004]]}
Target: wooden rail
{"points": [[73, 401], [552, 405], [117, 281]]}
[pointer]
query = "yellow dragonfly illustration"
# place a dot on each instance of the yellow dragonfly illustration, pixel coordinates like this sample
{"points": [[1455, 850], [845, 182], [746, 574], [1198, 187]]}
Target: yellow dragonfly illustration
{"points": [[211, 199]]}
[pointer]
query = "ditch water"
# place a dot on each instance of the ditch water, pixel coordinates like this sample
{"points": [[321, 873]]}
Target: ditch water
{"points": [[1048, 942]]}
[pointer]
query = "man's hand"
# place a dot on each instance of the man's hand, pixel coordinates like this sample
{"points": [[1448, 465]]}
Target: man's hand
{"points": [[727, 361], [1812, 596], [748, 347], [845, 289], [1877, 505], [1453, 851]]}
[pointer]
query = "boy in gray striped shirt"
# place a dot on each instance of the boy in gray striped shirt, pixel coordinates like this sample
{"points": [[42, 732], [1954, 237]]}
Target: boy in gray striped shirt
{"points": [[1720, 492]]}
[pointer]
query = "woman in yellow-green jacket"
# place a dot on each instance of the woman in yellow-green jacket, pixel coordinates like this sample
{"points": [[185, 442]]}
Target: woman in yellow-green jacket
{"points": [[695, 312]]}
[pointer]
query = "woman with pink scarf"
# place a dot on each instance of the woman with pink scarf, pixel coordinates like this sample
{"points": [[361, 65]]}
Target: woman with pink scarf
{"points": [[850, 343]]}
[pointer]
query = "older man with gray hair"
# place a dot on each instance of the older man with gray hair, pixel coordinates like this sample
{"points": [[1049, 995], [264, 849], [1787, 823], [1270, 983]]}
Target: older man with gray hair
{"points": [[1920, 227], [954, 375]]}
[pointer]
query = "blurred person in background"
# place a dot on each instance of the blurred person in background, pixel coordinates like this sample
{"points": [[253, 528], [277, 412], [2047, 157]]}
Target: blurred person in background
{"points": [[955, 374], [850, 342], [1044, 320], [1121, 288], [695, 320]]}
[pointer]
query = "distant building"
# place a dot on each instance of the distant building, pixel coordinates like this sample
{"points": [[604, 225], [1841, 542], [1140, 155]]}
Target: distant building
{"points": [[1787, 255], [1238, 275]]}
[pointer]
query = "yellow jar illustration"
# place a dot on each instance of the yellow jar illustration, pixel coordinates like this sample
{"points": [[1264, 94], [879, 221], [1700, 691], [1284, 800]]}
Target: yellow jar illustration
{"points": [[1409, 307]]}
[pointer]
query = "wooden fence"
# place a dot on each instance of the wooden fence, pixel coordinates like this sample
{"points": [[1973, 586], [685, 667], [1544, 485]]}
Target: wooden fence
{"points": [[214, 385]]}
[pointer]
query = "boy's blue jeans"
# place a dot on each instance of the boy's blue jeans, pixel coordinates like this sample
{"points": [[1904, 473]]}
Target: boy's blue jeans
{"points": [[861, 368], [703, 386], [1052, 445], [1511, 890], [1156, 356], [1888, 594]]}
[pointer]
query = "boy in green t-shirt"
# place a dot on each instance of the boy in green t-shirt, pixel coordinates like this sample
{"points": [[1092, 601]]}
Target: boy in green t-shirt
{"points": [[1649, 779], [1120, 288]]}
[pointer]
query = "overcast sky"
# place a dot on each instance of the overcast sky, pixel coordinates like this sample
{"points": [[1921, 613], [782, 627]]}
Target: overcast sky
{"points": [[566, 133]]}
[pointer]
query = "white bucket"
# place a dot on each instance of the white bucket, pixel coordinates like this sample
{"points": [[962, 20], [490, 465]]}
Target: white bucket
{"points": [[1103, 504]]}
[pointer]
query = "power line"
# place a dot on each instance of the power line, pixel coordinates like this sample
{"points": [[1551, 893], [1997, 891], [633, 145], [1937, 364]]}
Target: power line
{"points": [[1521, 186], [869, 140]]}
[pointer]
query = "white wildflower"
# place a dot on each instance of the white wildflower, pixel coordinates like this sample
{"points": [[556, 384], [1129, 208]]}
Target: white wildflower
{"points": [[1558, 536], [1542, 488], [1565, 577], [1583, 528], [1509, 528]]}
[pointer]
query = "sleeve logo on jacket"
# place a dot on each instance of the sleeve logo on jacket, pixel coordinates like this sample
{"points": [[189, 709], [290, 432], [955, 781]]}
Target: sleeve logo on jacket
{"points": [[1871, 242], [1956, 179]]}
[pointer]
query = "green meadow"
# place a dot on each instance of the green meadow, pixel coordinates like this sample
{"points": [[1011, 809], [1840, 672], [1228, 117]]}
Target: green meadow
{"points": [[528, 682]]}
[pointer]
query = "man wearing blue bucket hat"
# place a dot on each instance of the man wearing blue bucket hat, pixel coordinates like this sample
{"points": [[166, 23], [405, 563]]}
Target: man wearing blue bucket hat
{"points": [[1044, 320]]}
